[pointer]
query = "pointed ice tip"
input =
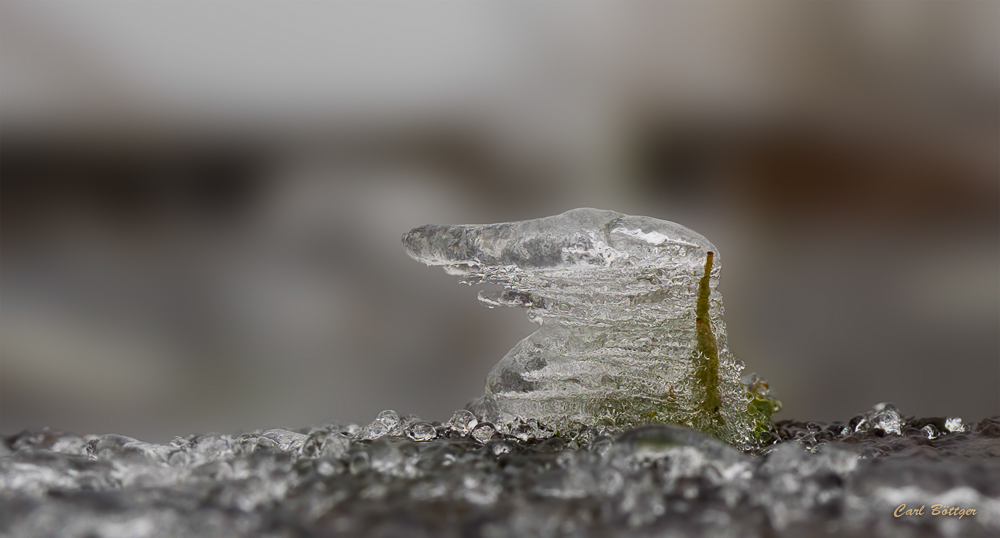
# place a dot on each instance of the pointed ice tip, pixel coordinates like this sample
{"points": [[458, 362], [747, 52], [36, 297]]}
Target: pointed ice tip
{"points": [[434, 244], [417, 244], [410, 242]]}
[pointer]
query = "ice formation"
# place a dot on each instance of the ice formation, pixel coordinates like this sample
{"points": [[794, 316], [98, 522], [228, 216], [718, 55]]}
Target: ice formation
{"points": [[631, 323]]}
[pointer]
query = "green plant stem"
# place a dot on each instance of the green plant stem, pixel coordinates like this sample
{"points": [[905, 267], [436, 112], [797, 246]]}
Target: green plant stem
{"points": [[707, 351]]}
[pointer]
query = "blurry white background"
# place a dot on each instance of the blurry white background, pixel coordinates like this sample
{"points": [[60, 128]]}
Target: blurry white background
{"points": [[202, 202]]}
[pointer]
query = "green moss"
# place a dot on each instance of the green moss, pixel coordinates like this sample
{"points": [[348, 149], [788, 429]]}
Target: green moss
{"points": [[760, 407]]}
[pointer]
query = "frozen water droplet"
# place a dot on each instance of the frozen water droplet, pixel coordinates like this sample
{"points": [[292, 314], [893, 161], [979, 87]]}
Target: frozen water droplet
{"points": [[882, 417], [359, 462], [386, 457], [483, 432], [387, 423], [326, 444], [421, 431], [479, 490], [326, 468], [930, 431], [286, 441], [954, 425], [462, 422], [119, 447], [500, 447]]}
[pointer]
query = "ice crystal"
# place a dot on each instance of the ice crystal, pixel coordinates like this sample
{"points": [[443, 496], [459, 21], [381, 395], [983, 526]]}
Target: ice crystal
{"points": [[883, 417], [631, 323]]}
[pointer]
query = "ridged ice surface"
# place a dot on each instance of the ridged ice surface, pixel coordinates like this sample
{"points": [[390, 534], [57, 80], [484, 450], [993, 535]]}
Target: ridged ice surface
{"points": [[631, 323], [402, 476]]}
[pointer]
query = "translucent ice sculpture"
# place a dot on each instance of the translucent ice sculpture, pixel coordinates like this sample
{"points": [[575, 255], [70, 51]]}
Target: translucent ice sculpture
{"points": [[631, 324]]}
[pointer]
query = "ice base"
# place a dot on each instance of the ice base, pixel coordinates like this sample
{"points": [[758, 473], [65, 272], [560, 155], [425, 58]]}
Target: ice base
{"points": [[403, 476]]}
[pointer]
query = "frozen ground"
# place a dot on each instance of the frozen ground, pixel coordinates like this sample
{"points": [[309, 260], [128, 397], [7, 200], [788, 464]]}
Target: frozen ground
{"points": [[401, 476]]}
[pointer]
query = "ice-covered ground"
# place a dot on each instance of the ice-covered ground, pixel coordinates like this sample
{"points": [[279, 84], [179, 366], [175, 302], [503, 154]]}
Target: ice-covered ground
{"points": [[401, 476]]}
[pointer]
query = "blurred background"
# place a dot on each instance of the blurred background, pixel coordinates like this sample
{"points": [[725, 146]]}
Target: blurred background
{"points": [[202, 202]]}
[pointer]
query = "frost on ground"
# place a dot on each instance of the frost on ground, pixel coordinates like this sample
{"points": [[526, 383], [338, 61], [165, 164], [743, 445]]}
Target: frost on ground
{"points": [[403, 476]]}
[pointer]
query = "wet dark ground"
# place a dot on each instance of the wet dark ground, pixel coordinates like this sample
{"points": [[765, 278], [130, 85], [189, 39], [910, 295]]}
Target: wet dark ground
{"points": [[401, 476]]}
